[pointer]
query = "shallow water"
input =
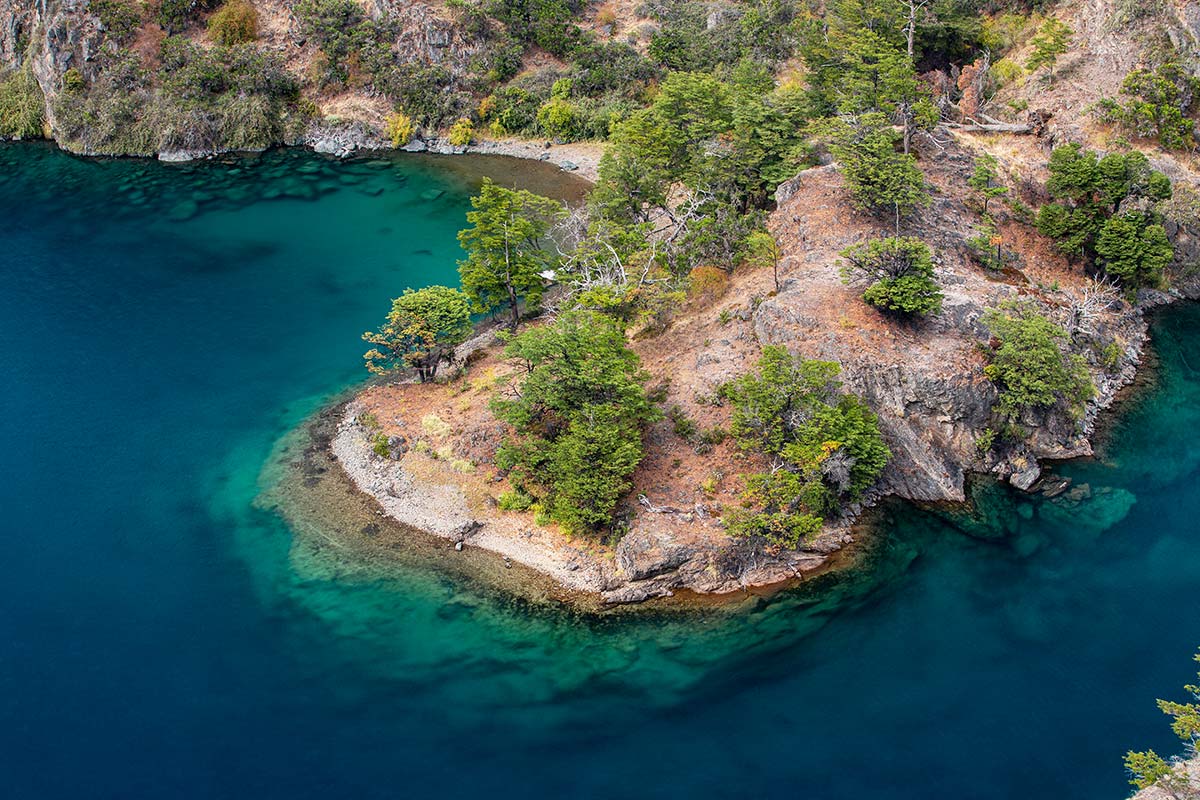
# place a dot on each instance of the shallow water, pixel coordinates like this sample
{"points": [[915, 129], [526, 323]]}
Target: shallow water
{"points": [[161, 634]]}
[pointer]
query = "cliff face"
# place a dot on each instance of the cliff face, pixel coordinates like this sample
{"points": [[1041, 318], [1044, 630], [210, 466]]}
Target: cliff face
{"points": [[50, 37], [926, 381]]}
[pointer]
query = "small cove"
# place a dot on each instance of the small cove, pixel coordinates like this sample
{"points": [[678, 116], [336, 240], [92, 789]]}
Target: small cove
{"points": [[163, 327]]}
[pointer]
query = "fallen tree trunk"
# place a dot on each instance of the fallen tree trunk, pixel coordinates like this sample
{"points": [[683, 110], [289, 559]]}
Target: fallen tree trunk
{"points": [[991, 127]]}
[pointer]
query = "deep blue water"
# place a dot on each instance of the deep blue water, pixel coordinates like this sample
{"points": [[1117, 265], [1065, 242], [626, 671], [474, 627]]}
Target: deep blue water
{"points": [[161, 635]]}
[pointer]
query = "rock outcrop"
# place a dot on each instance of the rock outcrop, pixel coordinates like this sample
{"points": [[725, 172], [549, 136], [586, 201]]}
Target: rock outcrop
{"points": [[926, 381]]}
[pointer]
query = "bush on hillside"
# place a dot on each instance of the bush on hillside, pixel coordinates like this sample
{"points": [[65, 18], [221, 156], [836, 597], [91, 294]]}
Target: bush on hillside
{"points": [[1028, 365], [21, 106], [577, 416], [825, 446], [236, 22], [899, 273]]}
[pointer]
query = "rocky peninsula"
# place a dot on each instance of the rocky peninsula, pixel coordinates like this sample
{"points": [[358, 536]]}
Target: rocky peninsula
{"points": [[926, 382]]}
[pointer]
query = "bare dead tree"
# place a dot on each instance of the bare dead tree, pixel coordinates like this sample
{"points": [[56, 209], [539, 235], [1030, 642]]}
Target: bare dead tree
{"points": [[915, 7], [1085, 306]]}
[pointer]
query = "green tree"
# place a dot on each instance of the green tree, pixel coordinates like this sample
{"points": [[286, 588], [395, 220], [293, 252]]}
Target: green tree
{"points": [[736, 139], [1158, 105], [559, 119], [1088, 192], [1027, 364], [577, 410], [879, 77], [825, 446], [637, 168], [985, 179], [1148, 768], [1134, 249], [879, 177], [421, 331], [1049, 43], [899, 273], [505, 252], [762, 250]]}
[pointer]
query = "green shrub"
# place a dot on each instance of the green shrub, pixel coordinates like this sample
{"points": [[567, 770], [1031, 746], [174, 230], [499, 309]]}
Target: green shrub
{"points": [[235, 22], [515, 500], [1088, 191], [510, 110], [559, 119], [72, 81], [1002, 31], [1004, 72], [1027, 364], [461, 132], [577, 417], [120, 18], [22, 110], [1134, 249], [684, 426], [1159, 106], [380, 446], [879, 178], [610, 67], [1051, 41], [400, 128], [547, 23], [1112, 354], [899, 272], [825, 445], [987, 247], [425, 92], [174, 15], [345, 36]]}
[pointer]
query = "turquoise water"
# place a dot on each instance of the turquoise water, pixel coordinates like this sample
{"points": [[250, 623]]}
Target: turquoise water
{"points": [[164, 635]]}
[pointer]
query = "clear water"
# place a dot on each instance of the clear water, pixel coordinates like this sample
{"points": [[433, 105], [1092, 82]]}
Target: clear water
{"points": [[161, 635]]}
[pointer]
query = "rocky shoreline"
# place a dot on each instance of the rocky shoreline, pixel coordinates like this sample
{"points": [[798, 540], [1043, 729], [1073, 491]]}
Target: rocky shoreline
{"points": [[344, 140], [422, 493]]}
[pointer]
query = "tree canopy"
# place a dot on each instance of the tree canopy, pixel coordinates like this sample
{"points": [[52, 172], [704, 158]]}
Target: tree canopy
{"points": [[825, 446], [880, 178], [899, 274], [506, 253], [985, 179], [577, 408], [421, 331], [1027, 364], [1088, 193], [1050, 42]]}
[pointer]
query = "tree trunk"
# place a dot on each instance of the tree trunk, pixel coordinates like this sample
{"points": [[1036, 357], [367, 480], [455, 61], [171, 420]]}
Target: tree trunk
{"points": [[996, 127], [912, 28], [516, 308]]}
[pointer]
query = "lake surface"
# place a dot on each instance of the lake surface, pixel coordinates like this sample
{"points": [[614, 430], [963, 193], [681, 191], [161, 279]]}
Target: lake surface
{"points": [[162, 635]]}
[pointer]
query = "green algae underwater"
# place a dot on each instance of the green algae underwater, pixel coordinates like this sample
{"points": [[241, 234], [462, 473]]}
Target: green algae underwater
{"points": [[164, 333]]}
